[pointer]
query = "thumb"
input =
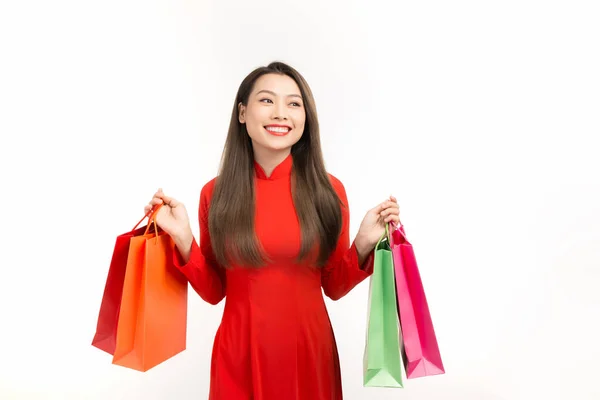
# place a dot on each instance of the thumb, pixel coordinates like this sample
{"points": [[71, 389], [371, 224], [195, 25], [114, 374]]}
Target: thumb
{"points": [[169, 201], [378, 208]]}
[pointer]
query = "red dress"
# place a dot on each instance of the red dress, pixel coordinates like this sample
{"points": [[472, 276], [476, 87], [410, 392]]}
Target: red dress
{"points": [[275, 340]]}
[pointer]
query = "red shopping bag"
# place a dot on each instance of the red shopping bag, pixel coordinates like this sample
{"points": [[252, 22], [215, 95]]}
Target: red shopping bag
{"points": [[422, 354], [105, 337]]}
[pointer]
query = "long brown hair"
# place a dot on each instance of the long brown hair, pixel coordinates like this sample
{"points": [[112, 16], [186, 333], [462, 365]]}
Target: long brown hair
{"points": [[231, 214]]}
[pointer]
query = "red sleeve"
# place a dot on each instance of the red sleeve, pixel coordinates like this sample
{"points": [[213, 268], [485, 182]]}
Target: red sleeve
{"points": [[342, 272], [202, 271]]}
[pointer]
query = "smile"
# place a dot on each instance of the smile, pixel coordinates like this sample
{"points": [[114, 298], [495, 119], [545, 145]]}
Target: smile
{"points": [[278, 130]]}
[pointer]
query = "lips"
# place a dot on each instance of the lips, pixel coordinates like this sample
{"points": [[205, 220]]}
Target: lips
{"points": [[278, 130]]}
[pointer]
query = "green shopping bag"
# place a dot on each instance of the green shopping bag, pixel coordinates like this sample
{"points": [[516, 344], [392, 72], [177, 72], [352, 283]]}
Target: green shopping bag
{"points": [[382, 364]]}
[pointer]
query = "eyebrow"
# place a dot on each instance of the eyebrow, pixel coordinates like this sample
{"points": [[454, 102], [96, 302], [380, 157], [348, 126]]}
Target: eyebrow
{"points": [[273, 93]]}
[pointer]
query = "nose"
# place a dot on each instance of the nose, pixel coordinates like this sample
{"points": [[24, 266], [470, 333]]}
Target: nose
{"points": [[279, 111]]}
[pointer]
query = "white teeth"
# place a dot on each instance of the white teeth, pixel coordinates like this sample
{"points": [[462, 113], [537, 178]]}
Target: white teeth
{"points": [[277, 129]]}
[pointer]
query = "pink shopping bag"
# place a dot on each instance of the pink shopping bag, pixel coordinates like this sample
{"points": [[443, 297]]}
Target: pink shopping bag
{"points": [[422, 354]]}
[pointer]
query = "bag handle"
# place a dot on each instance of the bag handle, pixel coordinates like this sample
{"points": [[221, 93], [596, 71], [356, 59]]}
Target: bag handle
{"points": [[386, 235], [397, 228], [151, 219]]}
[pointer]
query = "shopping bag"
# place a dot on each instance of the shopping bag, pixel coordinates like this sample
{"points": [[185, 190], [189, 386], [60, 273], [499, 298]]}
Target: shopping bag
{"points": [[421, 352], [152, 312], [382, 364], [106, 328]]}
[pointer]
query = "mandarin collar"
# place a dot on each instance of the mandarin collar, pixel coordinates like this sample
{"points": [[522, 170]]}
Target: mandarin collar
{"points": [[282, 170]]}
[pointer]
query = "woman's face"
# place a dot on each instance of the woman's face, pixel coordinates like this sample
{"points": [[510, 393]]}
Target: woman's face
{"points": [[274, 115]]}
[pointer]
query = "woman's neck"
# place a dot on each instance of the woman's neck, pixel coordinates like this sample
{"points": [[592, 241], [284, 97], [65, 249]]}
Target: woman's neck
{"points": [[268, 160]]}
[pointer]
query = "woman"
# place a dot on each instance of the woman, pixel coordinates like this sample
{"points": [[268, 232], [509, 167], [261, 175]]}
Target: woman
{"points": [[273, 232]]}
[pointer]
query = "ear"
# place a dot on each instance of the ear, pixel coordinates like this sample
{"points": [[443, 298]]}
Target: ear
{"points": [[242, 113]]}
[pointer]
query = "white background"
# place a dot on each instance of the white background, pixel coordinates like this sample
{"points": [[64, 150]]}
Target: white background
{"points": [[480, 117]]}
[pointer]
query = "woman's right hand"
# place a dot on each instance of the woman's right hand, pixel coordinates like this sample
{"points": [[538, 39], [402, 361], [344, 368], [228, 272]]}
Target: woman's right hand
{"points": [[172, 216]]}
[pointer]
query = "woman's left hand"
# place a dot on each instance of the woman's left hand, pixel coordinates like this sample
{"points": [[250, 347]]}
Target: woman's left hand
{"points": [[373, 224]]}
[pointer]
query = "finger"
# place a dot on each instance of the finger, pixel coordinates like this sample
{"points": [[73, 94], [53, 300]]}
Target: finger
{"points": [[159, 193], [382, 206], [391, 210], [156, 200], [389, 205], [392, 198], [394, 218], [170, 201], [378, 208]]}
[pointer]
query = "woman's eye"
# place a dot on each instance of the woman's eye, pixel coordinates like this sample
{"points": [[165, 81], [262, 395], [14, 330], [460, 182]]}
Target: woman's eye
{"points": [[295, 104]]}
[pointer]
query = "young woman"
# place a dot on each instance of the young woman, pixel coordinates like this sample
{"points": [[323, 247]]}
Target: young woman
{"points": [[273, 233]]}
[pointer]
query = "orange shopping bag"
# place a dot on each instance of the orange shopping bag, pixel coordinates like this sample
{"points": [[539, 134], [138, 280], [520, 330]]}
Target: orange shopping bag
{"points": [[152, 319]]}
